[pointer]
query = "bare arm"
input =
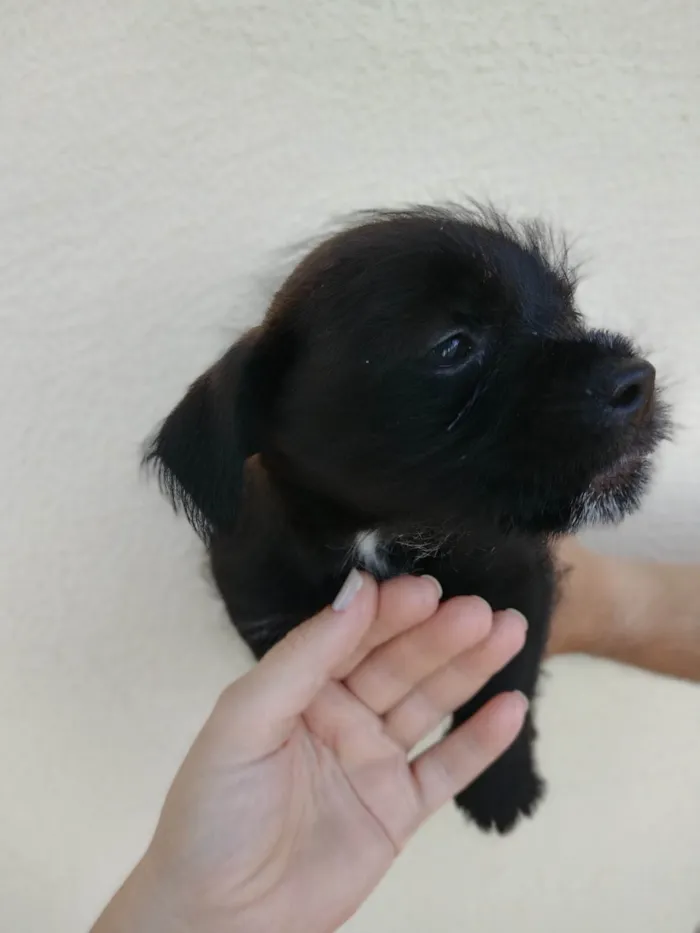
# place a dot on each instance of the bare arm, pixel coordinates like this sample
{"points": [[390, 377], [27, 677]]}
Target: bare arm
{"points": [[637, 612]]}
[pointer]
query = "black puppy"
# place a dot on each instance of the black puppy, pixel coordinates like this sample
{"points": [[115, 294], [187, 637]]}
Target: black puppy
{"points": [[422, 397]]}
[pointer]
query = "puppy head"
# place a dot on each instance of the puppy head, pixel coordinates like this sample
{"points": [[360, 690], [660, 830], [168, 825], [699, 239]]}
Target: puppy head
{"points": [[430, 368]]}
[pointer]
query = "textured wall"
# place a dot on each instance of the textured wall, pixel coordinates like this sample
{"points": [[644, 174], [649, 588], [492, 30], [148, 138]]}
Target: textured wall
{"points": [[155, 158]]}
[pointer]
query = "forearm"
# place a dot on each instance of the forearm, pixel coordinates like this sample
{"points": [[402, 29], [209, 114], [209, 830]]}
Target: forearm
{"points": [[637, 612]]}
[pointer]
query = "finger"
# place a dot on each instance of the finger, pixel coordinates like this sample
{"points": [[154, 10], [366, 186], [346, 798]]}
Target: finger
{"points": [[403, 603], [266, 702], [395, 668], [452, 764], [425, 707]]}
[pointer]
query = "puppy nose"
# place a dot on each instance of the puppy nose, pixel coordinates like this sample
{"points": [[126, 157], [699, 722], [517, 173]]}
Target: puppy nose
{"points": [[631, 390]]}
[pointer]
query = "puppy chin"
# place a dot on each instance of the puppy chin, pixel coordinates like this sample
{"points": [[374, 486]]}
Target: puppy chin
{"points": [[613, 493]]}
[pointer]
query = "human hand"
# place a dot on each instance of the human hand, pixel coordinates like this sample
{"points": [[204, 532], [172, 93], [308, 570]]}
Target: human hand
{"points": [[299, 792], [639, 612]]}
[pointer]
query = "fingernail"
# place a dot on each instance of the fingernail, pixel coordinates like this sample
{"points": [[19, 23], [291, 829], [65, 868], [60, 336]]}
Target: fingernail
{"points": [[516, 612], [427, 576], [348, 591], [523, 699]]}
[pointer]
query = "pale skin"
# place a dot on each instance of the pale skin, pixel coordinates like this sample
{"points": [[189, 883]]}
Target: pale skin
{"points": [[300, 791]]}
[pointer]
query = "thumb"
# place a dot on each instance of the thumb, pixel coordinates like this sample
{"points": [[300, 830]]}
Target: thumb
{"points": [[268, 699]]}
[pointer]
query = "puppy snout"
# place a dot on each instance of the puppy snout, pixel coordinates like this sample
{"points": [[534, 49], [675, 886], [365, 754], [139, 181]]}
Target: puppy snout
{"points": [[630, 391]]}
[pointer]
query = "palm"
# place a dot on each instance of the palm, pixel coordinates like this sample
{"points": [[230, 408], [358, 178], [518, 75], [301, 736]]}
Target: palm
{"points": [[339, 777], [344, 802], [354, 746]]}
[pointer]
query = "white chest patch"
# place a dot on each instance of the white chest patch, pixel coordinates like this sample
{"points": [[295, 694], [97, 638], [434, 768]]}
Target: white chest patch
{"points": [[369, 555]]}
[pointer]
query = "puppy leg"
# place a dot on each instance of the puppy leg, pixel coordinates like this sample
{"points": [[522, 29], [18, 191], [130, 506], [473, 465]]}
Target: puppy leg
{"points": [[511, 787]]}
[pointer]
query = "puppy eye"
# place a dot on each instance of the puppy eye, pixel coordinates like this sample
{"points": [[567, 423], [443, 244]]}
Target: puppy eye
{"points": [[452, 351]]}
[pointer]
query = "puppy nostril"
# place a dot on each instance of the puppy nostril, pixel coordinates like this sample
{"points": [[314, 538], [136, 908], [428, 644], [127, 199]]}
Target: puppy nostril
{"points": [[632, 389], [627, 396]]}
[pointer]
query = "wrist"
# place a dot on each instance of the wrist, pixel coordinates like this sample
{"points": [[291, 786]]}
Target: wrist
{"points": [[145, 903]]}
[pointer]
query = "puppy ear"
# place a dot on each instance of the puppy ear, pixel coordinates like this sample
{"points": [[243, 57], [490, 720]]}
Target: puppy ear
{"points": [[201, 448]]}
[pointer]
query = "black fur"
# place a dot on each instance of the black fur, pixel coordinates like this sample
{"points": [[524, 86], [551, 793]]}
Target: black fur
{"points": [[425, 374]]}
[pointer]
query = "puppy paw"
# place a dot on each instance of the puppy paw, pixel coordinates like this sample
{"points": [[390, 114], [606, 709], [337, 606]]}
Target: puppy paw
{"points": [[498, 798]]}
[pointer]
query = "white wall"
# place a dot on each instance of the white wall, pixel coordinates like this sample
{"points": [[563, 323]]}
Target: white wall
{"points": [[154, 159]]}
